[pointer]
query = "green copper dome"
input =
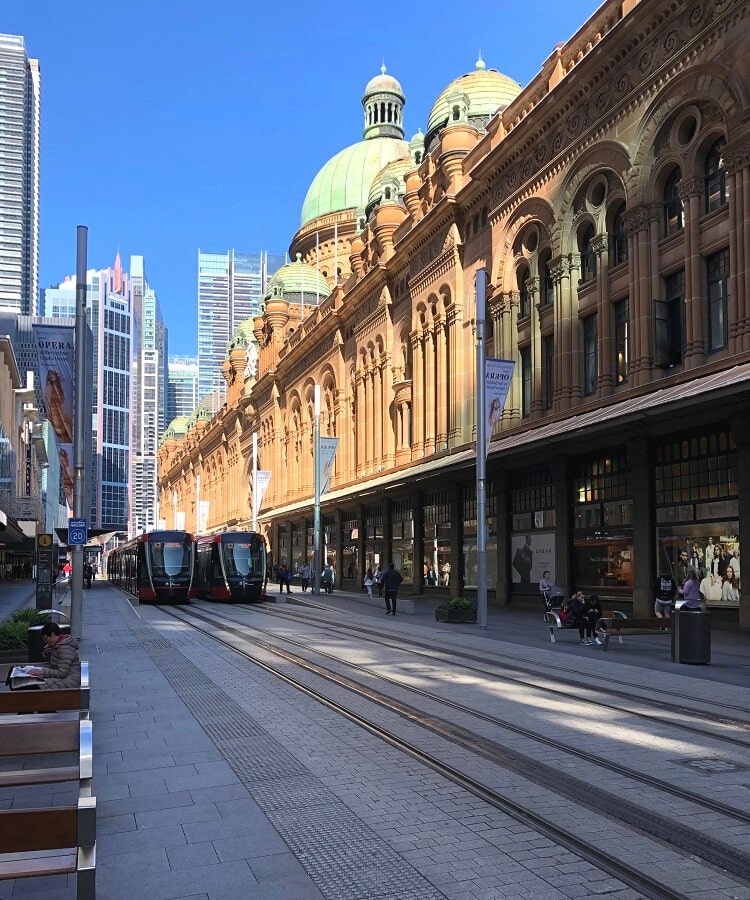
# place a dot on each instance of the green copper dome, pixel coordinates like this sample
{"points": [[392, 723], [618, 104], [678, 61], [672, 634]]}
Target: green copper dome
{"points": [[243, 334], [486, 89], [344, 181], [177, 429], [297, 278], [392, 176]]}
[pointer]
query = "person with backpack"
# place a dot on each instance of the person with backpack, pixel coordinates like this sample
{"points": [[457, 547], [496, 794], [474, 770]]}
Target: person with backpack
{"points": [[284, 576], [327, 578]]}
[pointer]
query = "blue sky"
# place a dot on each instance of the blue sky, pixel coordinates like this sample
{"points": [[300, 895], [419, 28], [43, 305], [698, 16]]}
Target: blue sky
{"points": [[169, 126]]}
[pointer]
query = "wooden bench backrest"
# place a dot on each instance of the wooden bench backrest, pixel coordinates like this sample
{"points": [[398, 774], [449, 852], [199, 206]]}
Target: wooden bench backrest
{"points": [[26, 830], [39, 701], [22, 738]]}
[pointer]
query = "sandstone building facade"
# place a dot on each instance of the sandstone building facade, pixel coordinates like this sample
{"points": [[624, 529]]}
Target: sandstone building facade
{"points": [[609, 203]]}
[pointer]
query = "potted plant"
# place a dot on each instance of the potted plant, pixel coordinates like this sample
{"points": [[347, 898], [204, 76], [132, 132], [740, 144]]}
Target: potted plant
{"points": [[457, 609]]}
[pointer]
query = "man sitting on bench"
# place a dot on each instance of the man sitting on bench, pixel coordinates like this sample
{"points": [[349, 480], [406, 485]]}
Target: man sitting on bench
{"points": [[64, 669]]}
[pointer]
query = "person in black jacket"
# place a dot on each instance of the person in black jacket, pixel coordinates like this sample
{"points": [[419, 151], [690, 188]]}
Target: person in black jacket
{"points": [[391, 580], [665, 590]]}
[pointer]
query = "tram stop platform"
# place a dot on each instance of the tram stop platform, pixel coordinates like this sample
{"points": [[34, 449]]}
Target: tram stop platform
{"points": [[207, 774]]}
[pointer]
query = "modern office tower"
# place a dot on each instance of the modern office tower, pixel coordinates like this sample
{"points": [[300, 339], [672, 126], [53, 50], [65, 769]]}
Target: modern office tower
{"points": [[182, 388], [109, 315], [230, 286], [19, 176], [149, 397]]}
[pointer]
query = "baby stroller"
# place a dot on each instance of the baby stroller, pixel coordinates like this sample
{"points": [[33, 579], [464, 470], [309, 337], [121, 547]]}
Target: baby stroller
{"points": [[554, 599]]}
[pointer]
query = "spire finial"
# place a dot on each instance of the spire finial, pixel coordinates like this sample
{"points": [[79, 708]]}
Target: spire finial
{"points": [[383, 69], [480, 62]]}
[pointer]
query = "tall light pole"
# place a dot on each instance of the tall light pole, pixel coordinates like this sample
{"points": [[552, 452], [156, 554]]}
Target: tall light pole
{"points": [[481, 453], [255, 481], [318, 473], [79, 430]]}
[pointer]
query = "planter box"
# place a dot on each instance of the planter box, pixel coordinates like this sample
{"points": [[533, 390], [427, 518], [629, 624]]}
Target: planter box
{"points": [[456, 616]]}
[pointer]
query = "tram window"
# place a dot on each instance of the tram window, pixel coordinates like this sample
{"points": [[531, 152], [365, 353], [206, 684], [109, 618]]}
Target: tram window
{"points": [[169, 558], [237, 559]]}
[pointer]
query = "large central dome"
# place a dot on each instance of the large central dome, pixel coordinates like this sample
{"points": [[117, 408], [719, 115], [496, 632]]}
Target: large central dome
{"points": [[344, 181]]}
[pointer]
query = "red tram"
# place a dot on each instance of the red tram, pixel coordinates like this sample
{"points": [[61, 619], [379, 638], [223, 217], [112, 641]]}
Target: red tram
{"points": [[231, 566], [157, 567]]}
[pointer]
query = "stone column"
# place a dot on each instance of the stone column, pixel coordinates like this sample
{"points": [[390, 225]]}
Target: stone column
{"points": [[360, 423], [537, 390], [417, 406], [737, 161], [378, 425], [636, 224], [390, 426], [560, 269], [457, 426], [691, 193], [605, 350], [418, 519], [441, 382], [430, 386], [560, 470]]}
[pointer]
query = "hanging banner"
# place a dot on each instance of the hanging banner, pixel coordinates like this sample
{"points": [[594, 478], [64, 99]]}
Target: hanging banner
{"points": [[497, 377], [55, 359], [179, 521], [65, 455], [328, 448], [203, 515], [261, 484]]}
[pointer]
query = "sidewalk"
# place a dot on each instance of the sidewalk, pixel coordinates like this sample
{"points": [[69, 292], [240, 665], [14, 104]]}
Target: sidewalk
{"points": [[15, 594]]}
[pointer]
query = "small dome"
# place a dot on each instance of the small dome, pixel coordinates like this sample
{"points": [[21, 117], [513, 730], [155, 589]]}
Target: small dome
{"points": [[297, 278], [390, 175], [177, 426], [487, 91], [243, 334], [384, 84]]}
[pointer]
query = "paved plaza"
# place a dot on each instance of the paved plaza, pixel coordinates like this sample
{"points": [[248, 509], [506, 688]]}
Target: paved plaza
{"points": [[211, 783]]}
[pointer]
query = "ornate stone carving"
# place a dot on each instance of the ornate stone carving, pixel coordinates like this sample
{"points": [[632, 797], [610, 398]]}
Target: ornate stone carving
{"points": [[636, 219], [690, 187], [737, 154]]}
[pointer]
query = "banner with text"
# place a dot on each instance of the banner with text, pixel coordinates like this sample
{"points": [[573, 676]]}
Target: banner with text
{"points": [[328, 448], [498, 374], [203, 507], [261, 485]]}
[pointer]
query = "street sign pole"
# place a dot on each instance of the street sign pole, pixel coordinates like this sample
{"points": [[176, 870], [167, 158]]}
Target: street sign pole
{"points": [[79, 430]]}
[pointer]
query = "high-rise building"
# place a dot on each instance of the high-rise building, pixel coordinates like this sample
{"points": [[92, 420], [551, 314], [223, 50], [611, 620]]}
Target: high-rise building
{"points": [[109, 315], [182, 390], [230, 286], [149, 397], [19, 176], [128, 391]]}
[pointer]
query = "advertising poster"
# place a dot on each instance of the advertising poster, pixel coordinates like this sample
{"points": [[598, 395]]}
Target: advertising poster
{"points": [[179, 521], [261, 485], [531, 555], [498, 374]]}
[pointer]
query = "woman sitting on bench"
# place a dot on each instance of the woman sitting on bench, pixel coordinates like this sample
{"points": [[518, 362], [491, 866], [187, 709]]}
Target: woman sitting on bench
{"points": [[64, 670]]}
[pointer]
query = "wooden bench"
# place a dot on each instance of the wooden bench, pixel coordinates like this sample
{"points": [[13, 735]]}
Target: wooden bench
{"points": [[48, 733], [607, 628], [554, 622], [56, 841], [49, 840], [49, 701]]}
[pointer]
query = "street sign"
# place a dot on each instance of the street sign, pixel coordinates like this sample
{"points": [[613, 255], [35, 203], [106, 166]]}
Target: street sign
{"points": [[77, 532]]}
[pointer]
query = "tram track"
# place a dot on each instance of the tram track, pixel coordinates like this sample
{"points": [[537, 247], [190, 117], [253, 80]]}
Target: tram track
{"points": [[436, 652], [714, 853]]}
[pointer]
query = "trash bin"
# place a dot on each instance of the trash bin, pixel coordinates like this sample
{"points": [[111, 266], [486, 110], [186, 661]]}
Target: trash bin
{"points": [[36, 641], [692, 636]]}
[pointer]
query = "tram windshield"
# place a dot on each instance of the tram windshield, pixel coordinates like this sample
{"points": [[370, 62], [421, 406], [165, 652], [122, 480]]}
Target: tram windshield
{"points": [[170, 558], [243, 559]]}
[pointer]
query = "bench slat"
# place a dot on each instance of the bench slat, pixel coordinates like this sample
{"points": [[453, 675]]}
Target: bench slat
{"points": [[55, 775], [42, 862], [22, 738], [14, 702]]}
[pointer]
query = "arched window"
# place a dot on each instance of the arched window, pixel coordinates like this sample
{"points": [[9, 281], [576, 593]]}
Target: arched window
{"points": [[618, 240], [673, 220], [716, 179], [588, 257], [524, 301]]}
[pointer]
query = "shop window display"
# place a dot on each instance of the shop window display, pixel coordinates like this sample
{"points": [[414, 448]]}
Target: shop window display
{"points": [[712, 550], [402, 540]]}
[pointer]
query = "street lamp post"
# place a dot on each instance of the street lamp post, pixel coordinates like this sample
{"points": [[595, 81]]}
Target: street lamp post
{"points": [[79, 430], [318, 473]]}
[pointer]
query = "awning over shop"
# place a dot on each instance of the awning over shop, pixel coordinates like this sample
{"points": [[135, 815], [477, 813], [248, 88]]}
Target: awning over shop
{"points": [[11, 533]]}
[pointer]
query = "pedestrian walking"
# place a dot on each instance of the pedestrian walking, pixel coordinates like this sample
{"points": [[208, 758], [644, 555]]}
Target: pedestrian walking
{"points": [[304, 574], [379, 580], [284, 576], [326, 579], [391, 580], [368, 582]]}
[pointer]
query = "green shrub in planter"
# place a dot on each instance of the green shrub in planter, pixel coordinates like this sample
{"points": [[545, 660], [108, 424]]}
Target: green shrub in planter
{"points": [[459, 603], [13, 633]]}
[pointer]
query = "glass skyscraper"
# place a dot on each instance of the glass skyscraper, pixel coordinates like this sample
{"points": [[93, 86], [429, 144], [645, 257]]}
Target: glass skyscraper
{"points": [[230, 286], [19, 176], [182, 392]]}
